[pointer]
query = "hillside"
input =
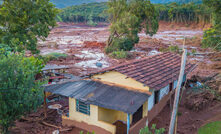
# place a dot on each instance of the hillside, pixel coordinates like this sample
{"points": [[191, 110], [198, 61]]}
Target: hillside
{"points": [[96, 12], [178, 1], [66, 3]]}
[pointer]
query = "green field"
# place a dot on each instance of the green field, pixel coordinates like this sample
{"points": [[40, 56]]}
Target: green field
{"points": [[211, 128]]}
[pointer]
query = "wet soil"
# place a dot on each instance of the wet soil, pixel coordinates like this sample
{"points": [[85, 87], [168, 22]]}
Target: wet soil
{"points": [[189, 121], [85, 45]]}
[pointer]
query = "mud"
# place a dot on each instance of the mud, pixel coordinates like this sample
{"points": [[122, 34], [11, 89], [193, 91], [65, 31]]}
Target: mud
{"points": [[189, 121], [84, 44]]}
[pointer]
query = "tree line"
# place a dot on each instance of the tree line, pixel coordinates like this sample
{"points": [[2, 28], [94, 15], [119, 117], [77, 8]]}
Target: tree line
{"points": [[95, 12], [173, 12]]}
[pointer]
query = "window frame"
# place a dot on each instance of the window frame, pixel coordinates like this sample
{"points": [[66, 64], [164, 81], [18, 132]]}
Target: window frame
{"points": [[82, 107]]}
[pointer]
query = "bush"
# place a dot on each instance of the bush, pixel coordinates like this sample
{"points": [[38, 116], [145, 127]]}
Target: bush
{"points": [[174, 49], [153, 130], [91, 23], [125, 44], [20, 93], [55, 56], [193, 51], [212, 39], [119, 54]]}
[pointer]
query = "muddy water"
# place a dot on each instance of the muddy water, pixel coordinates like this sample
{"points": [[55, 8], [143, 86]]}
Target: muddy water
{"points": [[70, 39]]}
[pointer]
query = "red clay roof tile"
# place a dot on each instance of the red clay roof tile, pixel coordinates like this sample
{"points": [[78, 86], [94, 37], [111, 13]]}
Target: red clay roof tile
{"points": [[155, 71]]}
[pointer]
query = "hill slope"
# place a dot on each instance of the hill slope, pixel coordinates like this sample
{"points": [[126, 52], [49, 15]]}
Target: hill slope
{"points": [[66, 3], [178, 1]]}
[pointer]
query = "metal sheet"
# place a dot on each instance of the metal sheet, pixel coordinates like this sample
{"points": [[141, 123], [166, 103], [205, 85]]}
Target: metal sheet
{"points": [[100, 94]]}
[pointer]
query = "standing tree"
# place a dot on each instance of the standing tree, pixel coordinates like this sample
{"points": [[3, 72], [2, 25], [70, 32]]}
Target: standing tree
{"points": [[128, 18], [212, 36], [19, 91], [23, 22]]}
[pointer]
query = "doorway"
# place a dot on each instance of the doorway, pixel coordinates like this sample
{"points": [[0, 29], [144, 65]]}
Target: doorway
{"points": [[157, 97], [171, 86], [137, 115]]}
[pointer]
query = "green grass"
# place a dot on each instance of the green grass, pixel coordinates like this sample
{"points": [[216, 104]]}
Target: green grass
{"points": [[211, 128]]}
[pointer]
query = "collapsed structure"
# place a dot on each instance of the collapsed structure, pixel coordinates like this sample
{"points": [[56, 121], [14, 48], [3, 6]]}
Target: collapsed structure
{"points": [[121, 99]]}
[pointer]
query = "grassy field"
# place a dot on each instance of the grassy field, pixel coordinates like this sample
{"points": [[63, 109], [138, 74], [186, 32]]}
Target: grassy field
{"points": [[211, 128]]}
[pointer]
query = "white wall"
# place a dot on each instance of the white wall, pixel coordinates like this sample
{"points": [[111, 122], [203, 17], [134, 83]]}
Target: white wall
{"points": [[164, 91], [151, 101]]}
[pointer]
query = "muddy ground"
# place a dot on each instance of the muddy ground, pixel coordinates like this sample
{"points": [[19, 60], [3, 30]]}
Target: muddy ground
{"points": [[85, 45]]}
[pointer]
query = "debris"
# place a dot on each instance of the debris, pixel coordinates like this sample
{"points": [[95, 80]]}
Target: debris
{"points": [[153, 52], [197, 102], [55, 132], [98, 64], [55, 106], [50, 125]]}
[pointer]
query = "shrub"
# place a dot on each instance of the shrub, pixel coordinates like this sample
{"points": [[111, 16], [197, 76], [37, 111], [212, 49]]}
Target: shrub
{"points": [[193, 51], [153, 130], [125, 44], [55, 56], [119, 54], [212, 39], [20, 93], [92, 23], [174, 49]]}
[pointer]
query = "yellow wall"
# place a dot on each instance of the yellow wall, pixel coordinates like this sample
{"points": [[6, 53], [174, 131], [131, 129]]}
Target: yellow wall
{"points": [[101, 117], [91, 119], [111, 116], [145, 109], [120, 79]]}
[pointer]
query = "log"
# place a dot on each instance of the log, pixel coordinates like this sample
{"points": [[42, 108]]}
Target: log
{"points": [[50, 125]]}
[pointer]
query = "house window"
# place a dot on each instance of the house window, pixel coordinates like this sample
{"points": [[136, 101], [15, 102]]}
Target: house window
{"points": [[82, 107]]}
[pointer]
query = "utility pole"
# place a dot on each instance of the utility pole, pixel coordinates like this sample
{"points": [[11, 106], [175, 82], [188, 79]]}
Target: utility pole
{"points": [[177, 93]]}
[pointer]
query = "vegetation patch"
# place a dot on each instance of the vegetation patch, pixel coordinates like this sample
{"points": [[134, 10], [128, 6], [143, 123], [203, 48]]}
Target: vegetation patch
{"points": [[120, 54], [174, 49], [211, 128], [55, 56]]}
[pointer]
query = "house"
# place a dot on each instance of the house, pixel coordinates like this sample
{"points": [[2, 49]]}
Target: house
{"points": [[121, 99]]}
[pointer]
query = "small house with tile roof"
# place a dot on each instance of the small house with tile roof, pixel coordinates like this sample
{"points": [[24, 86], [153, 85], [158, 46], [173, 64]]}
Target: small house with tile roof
{"points": [[123, 98]]}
